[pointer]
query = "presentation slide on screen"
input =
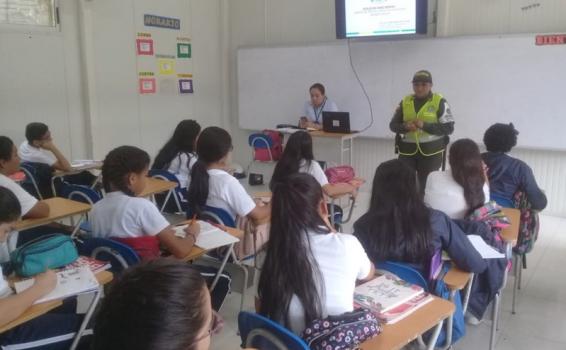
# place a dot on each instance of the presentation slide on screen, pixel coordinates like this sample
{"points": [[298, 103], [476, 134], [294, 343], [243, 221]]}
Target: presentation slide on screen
{"points": [[380, 17]]}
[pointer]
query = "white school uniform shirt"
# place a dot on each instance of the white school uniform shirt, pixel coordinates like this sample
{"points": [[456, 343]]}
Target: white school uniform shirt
{"points": [[27, 202], [443, 193], [315, 170], [123, 216], [28, 153], [311, 113], [342, 260], [226, 192], [178, 166]]}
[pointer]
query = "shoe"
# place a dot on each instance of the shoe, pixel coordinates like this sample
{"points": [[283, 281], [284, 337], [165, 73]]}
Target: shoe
{"points": [[471, 319]]}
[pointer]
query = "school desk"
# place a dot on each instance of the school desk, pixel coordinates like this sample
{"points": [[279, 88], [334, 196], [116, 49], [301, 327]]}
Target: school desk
{"points": [[155, 186], [92, 165], [59, 208], [397, 335], [37, 310], [346, 141]]}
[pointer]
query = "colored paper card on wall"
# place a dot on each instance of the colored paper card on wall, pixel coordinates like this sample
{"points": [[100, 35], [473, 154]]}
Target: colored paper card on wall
{"points": [[183, 50], [186, 86], [166, 66], [147, 85], [144, 46]]}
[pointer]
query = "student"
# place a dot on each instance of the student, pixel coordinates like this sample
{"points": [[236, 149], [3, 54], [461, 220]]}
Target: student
{"points": [[31, 207], [123, 215], [163, 304], [508, 175], [213, 186], [137, 222], [177, 156], [460, 190], [298, 157], [312, 111], [399, 227], [310, 271], [40, 148], [55, 329]]}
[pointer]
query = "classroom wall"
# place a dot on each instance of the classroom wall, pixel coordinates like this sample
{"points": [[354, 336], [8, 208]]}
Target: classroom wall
{"points": [[81, 78], [292, 22]]}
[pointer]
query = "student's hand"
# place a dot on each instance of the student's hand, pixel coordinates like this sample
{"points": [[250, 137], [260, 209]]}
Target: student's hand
{"points": [[45, 282], [193, 230], [303, 122], [48, 145]]}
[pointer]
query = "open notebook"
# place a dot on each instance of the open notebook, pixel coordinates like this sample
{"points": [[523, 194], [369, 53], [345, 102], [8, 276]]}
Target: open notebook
{"points": [[210, 236], [69, 283]]}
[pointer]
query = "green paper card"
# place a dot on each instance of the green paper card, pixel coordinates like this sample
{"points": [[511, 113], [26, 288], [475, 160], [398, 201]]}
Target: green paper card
{"points": [[183, 50]]}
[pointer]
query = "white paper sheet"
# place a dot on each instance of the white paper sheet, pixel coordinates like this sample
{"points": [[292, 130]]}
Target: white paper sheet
{"points": [[210, 236], [486, 251]]}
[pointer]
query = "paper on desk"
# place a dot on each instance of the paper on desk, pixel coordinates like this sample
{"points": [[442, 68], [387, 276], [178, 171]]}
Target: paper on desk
{"points": [[288, 130], [486, 251], [210, 236], [81, 163], [69, 283]]}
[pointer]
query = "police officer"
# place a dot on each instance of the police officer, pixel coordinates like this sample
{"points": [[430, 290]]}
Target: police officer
{"points": [[422, 123]]}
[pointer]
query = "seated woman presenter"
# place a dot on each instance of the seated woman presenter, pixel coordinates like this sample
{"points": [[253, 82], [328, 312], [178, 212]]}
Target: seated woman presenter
{"points": [[312, 112]]}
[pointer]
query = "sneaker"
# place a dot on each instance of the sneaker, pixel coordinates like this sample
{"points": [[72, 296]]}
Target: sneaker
{"points": [[471, 319]]}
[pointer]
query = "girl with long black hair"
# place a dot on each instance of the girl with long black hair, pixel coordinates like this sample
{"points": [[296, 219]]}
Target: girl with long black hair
{"points": [[400, 227], [211, 184], [310, 271], [463, 188], [178, 154], [298, 158]]}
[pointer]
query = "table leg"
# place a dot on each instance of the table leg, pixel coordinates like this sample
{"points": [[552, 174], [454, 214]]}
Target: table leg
{"points": [[78, 226], [351, 151], [88, 316], [434, 337], [221, 268], [165, 201]]}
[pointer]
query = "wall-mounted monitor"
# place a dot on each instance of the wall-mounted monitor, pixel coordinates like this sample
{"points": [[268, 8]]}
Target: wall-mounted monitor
{"points": [[380, 18]]}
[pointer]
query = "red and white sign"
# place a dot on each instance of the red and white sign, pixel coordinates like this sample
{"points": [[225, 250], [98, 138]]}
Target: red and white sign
{"points": [[144, 47], [552, 39]]}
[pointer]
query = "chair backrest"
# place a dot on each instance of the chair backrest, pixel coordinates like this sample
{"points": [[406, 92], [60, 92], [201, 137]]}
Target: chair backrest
{"points": [[30, 182], [119, 255], [502, 201], [405, 272], [260, 332], [260, 140], [215, 215], [80, 193], [180, 200]]}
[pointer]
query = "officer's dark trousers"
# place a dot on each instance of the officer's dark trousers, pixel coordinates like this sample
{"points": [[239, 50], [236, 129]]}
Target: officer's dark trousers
{"points": [[423, 165]]}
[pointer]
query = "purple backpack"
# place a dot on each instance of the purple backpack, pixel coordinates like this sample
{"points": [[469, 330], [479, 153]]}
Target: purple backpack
{"points": [[342, 332]]}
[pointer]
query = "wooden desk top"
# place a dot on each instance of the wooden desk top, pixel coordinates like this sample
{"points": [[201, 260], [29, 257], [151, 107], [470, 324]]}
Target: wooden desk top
{"points": [[197, 252], [397, 335], [511, 234], [37, 310], [155, 186], [320, 133], [456, 279], [59, 208], [96, 165]]}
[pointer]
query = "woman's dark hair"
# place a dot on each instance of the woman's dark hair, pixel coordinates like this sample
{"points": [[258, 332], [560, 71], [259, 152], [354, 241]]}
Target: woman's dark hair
{"points": [[119, 163], [399, 227], [290, 268], [319, 87], [35, 131], [467, 170], [298, 147], [10, 208], [213, 144], [182, 141], [6, 147], [156, 305], [500, 137]]}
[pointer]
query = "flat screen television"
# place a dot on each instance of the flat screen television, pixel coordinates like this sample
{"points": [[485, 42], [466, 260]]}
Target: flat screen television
{"points": [[380, 18]]}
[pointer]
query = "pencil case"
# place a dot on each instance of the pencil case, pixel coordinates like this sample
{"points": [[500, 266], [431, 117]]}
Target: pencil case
{"points": [[47, 252]]}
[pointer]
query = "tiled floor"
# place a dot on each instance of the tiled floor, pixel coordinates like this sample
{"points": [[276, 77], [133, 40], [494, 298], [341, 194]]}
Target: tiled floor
{"points": [[540, 321]]}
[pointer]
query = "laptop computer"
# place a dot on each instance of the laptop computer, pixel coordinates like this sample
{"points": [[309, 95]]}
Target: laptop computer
{"points": [[337, 122]]}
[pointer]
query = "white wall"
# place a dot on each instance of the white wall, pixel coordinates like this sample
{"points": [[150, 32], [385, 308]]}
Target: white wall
{"points": [[291, 22], [82, 79]]}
